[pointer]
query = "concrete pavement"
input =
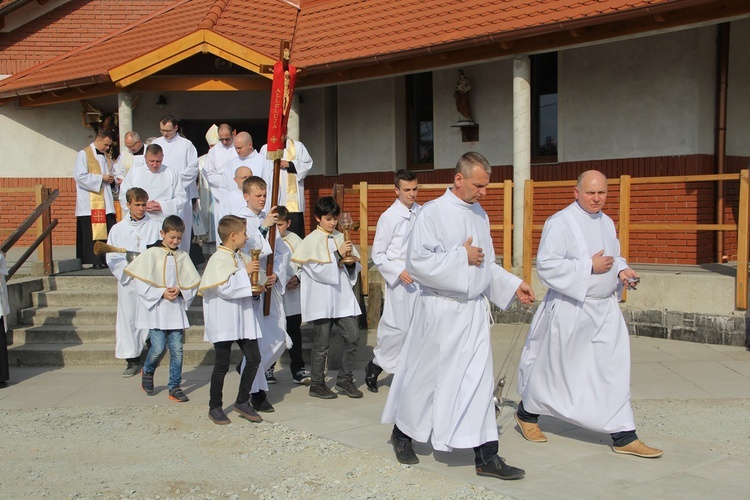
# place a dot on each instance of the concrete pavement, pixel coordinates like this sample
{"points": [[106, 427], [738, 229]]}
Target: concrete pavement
{"points": [[575, 463]]}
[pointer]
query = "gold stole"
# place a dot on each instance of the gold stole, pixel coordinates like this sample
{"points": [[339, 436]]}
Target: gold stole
{"points": [[290, 153], [98, 207]]}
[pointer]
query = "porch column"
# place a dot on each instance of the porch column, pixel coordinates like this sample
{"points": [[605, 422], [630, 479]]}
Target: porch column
{"points": [[124, 115], [521, 149], [292, 130]]}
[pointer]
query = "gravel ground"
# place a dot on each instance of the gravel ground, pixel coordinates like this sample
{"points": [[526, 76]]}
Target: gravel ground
{"points": [[175, 452]]}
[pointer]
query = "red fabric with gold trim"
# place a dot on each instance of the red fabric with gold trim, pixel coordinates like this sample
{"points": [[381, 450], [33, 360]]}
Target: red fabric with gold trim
{"points": [[282, 93]]}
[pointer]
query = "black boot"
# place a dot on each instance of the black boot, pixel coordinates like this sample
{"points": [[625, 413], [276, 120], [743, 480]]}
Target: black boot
{"points": [[403, 447], [371, 376], [489, 464]]}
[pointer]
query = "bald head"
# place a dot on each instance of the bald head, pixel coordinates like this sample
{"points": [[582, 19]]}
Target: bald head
{"points": [[591, 191], [243, 144], [240, 174]]}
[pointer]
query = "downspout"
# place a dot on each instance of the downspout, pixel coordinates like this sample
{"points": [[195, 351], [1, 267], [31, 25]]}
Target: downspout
{"points": [[720, 147]]}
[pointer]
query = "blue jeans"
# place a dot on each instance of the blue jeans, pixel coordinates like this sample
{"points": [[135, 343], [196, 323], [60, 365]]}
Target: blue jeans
{"points": [[159, 341]]}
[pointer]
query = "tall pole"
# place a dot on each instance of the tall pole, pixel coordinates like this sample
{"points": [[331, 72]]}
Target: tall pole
{"points": [[521, 149]]}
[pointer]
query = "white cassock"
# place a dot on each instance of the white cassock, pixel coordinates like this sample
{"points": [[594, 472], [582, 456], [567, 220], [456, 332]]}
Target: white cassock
{"points": [[126, 161], [254, 162], [216, 161], [163, 186], [86, 183], [292, 304], [274, 339], [442, 389], [575, 364], [131, 235], [303, 163], [181, 155], [229, 311], [389, 256], [205, 201]]}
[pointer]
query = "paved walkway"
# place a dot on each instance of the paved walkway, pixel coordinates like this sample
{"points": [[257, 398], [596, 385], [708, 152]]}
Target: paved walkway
{"points": [[574, 463]]}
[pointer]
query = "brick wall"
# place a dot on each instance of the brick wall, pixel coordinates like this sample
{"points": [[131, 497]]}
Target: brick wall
{"points": [[680, 202]]}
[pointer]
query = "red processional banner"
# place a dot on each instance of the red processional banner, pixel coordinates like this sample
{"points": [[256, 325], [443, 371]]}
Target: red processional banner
{"points": [[282, 93]]}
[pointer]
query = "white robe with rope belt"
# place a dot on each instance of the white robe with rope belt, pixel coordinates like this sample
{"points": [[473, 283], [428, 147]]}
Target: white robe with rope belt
{"points": [[443, 386], [575, 364]]}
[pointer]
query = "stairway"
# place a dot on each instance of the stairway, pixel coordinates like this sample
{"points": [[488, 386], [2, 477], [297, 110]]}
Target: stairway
{"points": [[72, 322]]}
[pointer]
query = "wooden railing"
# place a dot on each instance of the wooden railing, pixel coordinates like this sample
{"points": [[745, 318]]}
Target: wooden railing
{"points": [[625, 227], [45, 225], [362, 189]]}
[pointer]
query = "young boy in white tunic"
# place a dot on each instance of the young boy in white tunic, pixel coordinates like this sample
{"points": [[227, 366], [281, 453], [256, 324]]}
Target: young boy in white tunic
{"points": [[167, 282], [133, 233], [274, 338], [328, 300], [230, 315], [292, 306], [389, 257]]}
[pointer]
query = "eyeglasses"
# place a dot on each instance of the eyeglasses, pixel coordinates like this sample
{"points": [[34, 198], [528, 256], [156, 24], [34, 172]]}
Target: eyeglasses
{"points": [[133, 146]]}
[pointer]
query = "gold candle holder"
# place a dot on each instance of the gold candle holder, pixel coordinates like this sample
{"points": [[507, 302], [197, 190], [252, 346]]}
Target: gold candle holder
{"points": [[255, 254], [346, 223]]}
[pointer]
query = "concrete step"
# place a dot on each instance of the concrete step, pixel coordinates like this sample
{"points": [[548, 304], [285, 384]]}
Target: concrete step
{"points": [[103, 354], [74, 297], [84, 315], [80, 334], [91, 283]]}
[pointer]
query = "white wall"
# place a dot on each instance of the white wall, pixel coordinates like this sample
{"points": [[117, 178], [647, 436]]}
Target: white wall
{"points": [[738, 100], [491, 99], [649, 96], [366, 121]]}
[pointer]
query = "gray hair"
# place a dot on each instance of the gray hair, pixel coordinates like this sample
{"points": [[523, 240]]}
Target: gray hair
{"points": [[471, 160]]}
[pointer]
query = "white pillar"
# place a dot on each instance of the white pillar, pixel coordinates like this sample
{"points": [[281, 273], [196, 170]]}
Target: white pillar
{"points": [[124, 116], [521, 148], [292, 128]]}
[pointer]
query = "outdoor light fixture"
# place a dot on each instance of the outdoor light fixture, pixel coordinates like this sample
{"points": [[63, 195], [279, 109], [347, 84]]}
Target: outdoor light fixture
{"points": [[162, 101]]}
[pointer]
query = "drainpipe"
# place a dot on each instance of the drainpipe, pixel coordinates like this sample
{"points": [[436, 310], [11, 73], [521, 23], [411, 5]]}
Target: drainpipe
{"points": [[720, 147]]}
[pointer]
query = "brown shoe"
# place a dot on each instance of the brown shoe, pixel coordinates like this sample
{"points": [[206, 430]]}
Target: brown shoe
{"points": [[639, 449], [531, 432]]}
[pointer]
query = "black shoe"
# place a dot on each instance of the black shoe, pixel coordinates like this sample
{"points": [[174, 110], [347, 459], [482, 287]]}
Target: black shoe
{"points": [[322, 391], [498, 469], [404, 451], [371, 376], [98, 266], [246, 411], [347, 387], [218, 416], [302, 377], [176, 394], [147, 383], [261, 404]]}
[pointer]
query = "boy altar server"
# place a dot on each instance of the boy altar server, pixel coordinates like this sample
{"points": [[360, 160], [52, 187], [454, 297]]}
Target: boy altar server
{"points": [[328, 300], [133, 233], [274, 338], [167, 283], [389, 256], [230, 315]]}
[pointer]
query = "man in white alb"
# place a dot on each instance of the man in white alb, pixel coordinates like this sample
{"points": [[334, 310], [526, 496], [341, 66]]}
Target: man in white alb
{"points": [[442, 389], [575, 364], [248, 157], [180, 155], [216, 161], [389, 256]]}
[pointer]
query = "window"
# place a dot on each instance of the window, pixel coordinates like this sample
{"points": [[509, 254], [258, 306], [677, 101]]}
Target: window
{"points": [[544, 108], [420, 138]]}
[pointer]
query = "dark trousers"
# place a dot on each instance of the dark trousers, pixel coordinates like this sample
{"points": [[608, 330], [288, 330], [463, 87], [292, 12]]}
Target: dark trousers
{"points": [[618, 438], [297, 225], [483, 454], [349, 330], [85, 243], [251, 351], [4, 363], [293, 328]]}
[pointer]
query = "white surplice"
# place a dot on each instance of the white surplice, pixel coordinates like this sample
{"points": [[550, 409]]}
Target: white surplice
{"points": [[292, 303], [163, 186], [442, 388], [216, 161], [229, 312], [128, 160], [133, 235], [254, 162], [389, 257], [575, 364], [303, 164], [181, 155], [87, 183]]}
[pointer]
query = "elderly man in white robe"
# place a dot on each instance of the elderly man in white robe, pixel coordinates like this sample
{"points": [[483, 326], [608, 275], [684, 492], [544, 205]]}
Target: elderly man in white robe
{"points": [[442, 389], [216, 161], [294, 167], [163, 185], [401, 293], [575, 364], [248, 157], [132, 156], [180, 155]]}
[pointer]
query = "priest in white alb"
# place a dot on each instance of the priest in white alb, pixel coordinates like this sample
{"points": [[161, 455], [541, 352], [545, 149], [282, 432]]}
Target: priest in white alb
{"points": [[213, 171], [575, 364], [443, 386]]}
